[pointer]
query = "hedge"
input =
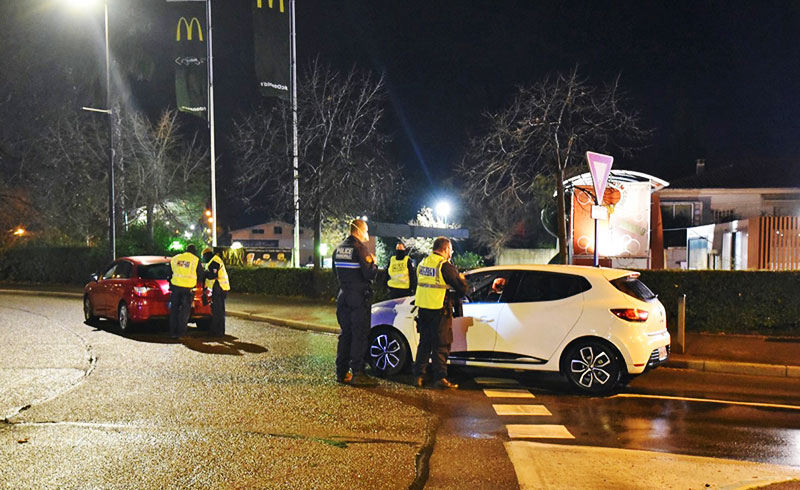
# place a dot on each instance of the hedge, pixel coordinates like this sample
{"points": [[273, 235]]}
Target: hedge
{"points": [[763, 302]]}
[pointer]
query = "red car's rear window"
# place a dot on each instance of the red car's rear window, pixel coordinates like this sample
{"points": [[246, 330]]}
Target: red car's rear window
{"points": [[154, 271]]}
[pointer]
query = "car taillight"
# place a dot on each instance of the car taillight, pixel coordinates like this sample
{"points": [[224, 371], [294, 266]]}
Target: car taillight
{"points": [[631, 314], [144, 289]]}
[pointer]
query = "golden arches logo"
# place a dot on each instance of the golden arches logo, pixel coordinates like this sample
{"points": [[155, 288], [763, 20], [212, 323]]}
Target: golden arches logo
{"points": [[189, 28], [269, 4]]}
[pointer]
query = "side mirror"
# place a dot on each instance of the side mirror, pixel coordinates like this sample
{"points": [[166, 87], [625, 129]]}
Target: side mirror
{"points": [[94, 277]]}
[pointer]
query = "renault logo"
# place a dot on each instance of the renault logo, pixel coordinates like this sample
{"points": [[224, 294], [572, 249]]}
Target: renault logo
{"points": [[269, 4], [189, 25]]}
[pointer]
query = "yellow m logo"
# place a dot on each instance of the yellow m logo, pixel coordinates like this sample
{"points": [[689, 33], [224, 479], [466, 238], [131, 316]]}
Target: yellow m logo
{"points": [[269, 4], [189, 25]]}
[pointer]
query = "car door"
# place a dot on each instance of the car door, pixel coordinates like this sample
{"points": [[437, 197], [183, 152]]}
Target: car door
{"points": [[475, 334], [100, 291], [117, 285], [544, 308]]}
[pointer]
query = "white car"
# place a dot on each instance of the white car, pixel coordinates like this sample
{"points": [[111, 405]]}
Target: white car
{"points": [[596, 326]]}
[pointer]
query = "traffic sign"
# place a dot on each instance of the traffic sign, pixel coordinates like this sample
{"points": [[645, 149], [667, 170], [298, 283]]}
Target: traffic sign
{"points": [[600, 167]]}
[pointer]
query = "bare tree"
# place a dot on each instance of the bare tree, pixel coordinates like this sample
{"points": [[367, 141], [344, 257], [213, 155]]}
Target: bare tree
{"points": [[545, 131], [165, 171], [343, 170]]}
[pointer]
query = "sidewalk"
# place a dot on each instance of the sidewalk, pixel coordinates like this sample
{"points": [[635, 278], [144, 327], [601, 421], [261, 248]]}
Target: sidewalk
{"points": [[735, 354]]}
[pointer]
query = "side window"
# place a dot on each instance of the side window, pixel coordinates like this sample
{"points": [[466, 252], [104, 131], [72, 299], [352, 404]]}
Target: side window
{"points": [[109, 272], [488, 287], [548, 286], [123, 270]]}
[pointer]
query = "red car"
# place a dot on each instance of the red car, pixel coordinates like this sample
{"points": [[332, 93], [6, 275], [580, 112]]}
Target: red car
{"points": [[135, 290]]}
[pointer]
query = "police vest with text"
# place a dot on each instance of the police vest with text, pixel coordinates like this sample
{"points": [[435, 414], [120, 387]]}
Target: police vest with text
{"points": [[398, 273], [184, 270], [222, 275], [431, 288]]}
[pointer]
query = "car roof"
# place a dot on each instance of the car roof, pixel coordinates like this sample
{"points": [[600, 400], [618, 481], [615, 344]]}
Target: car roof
{"points": [[581, 270], [146, 259]]}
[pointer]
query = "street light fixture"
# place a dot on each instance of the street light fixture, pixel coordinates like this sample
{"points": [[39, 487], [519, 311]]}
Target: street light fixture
{"points": [[112, 215], [443, 210]]}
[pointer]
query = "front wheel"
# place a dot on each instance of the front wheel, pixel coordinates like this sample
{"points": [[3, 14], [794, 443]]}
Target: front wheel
{"points": [[388, 352], [88, 311], [592, 367]]}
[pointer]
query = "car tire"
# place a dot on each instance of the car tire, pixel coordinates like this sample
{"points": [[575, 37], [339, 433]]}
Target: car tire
{"points": [[388, 352], [88, 311], [592, 367], [124, 316]]}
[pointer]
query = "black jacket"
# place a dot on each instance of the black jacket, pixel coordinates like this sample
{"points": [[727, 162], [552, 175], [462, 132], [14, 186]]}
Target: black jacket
{"points": [[353, 265]]}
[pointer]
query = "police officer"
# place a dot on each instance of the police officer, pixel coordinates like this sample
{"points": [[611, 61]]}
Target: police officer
{"points": [[355, 268], [434, 321], [186, 269], [402, 275], [217, 281]]}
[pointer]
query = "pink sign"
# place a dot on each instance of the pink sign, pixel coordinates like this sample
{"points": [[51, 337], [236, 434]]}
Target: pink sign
{"points": [[600, 167]]}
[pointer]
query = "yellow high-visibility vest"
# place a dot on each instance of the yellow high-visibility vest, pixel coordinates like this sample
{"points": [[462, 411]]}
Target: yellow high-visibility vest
{"points": [[184, 270], [431, 288], [398, 273], [222, 275]]}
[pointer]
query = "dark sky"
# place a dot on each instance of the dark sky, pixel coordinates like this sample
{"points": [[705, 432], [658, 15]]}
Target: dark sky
{"points": [[716, 80]]}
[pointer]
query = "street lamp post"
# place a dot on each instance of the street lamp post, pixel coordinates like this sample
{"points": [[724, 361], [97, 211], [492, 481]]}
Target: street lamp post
{"points": [[112, 214]]}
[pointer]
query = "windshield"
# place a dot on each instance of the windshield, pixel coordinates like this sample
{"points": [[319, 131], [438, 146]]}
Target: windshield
{"points": [[154, 271]]}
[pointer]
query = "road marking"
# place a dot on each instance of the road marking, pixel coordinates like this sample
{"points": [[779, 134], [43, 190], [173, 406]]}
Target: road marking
{"points": [[502, 409], [508, 393], [496, 381], [538, 431], [706, 400]]}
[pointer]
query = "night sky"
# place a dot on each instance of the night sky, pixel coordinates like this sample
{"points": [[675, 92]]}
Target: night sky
{"points": [[715, 80]]}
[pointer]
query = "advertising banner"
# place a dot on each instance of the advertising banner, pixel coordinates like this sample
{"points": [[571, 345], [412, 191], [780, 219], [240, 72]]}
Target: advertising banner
{"points": [[190, 56], [626, 231], [271, 37]]}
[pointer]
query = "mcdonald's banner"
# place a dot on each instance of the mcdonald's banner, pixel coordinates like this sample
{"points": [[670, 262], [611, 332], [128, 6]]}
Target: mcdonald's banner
{"points": [[190, 56], [271, 36]]}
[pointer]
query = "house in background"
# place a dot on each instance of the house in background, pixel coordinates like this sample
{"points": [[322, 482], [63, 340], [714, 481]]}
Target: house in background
{"points": [[270, 244], [731, 218]]}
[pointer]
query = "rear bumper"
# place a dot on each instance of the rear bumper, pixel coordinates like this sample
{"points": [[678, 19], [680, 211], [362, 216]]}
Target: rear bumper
{"points": [[144, 309]]}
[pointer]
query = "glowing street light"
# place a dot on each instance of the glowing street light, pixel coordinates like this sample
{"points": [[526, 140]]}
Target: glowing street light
{"points": [[19, 231], [443, 210]]}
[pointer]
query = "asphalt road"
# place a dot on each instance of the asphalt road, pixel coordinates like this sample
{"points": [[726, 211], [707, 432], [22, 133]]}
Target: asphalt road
{"points": [[86, 407]]}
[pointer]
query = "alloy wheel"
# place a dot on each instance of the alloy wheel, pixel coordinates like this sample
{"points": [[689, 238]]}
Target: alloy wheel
{"points": [[124, 317], [593, 367], [387, 352]]}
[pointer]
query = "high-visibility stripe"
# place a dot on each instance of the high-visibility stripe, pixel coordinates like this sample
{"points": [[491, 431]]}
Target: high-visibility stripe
{"points": [[348, 265]]}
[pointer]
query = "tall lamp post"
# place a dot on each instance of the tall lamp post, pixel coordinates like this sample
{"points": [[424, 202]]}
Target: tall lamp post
{"points": [[112, 215]]}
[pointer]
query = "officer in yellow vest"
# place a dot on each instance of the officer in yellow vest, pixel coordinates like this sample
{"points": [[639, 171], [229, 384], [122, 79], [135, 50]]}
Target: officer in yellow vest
{"points": [[402, 274], [217, 281], [186, 270], [435, 317]]}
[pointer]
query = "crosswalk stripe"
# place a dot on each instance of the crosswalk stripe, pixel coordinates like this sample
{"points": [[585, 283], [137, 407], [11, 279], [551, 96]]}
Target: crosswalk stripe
{"points": [[507, 393], [496, 381], [538, 431], [503, 409]]}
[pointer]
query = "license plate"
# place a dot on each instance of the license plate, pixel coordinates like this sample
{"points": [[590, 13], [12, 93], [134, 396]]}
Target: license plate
{"points": [[662, 353]]}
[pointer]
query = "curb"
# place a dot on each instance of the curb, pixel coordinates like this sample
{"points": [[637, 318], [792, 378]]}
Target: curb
{"points": [[33, 292], [284, 322], [730, 367]]}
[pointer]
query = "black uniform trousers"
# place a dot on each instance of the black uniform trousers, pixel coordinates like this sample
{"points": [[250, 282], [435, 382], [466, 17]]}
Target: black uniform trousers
{"points": [[218, 296], [353, 314], [180, 309], [435, 336], [395, 293]]}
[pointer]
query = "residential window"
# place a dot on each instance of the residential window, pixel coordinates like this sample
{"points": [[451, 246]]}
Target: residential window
{"points": [[257, 231], [678, 214], [278, 230]]}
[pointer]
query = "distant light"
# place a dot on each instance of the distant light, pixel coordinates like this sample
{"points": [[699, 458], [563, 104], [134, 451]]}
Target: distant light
{"points": [[191, 227], [364, 218], [208, 212], [176, 245], [210, 220], [443, 209], [323, 248], [19, 231], [236, 245]]}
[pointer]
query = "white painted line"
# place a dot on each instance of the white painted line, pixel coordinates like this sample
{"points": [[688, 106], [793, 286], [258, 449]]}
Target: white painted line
{"points": [[496, 381], [538, 431], [502, 409], [707, 400], [507, 393]]}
